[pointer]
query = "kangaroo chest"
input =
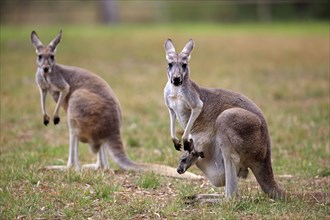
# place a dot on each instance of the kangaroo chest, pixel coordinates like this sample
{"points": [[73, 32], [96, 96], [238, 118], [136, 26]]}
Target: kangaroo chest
{"points": [[179, 105], [44, 82]]}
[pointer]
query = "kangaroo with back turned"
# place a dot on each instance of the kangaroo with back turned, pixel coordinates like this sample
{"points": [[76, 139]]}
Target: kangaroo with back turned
{"points": [[93, 111], [225, 133]]}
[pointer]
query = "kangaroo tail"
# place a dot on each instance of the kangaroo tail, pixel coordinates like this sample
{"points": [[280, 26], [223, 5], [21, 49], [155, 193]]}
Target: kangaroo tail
{"points": [[263, 172], [266, 180], [166, 171], [120, 157]]}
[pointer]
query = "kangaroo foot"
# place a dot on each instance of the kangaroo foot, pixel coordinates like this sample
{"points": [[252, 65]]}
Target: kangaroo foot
{"points": [[203, 198], [46, 120], [57, 167], [95, 167]]}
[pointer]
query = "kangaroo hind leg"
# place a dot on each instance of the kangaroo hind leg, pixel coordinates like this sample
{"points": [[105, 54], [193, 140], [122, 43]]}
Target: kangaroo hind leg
{"points": [[231, 161], [74, 132], [240, 136], [73, 161], [101, 162]]}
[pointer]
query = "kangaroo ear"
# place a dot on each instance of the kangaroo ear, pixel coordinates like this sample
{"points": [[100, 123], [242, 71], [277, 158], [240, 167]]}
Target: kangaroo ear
{"points": [[53, 45], [35, 41], [188, 49], [169, 49]]}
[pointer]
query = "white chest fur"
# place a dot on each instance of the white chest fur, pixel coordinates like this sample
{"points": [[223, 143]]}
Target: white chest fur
{"points": [[177, 102], [41, 79]]}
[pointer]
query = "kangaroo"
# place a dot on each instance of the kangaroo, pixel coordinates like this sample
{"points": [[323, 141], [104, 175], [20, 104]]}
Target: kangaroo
{"points": [[225, 133], [93, 111]]}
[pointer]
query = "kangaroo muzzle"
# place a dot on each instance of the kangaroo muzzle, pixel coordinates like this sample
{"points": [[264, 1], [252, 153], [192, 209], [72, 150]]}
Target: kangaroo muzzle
{"points": [[180, 170], [46, 69], [176, 80]]}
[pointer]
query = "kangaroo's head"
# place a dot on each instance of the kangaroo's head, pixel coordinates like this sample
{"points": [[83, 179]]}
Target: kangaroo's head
{"points": [[187, 159], [45, 54], [178, 69]]}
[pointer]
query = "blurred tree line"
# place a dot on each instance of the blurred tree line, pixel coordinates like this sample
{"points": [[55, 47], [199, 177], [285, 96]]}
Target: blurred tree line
{"points": [[129, 11], [260, 10]]}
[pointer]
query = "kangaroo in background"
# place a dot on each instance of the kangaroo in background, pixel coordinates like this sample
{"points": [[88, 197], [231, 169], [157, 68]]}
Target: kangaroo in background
{"points": [[225, 133], [93, 111]]}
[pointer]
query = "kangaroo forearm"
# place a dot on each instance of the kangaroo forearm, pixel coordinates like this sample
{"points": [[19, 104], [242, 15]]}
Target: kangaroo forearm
{"points": [[63, 94], [194, 115], [43, 95], [173, 118]]}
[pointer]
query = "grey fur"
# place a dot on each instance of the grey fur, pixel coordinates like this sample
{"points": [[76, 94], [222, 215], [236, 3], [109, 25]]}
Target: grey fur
{"points": [[227, 127]]}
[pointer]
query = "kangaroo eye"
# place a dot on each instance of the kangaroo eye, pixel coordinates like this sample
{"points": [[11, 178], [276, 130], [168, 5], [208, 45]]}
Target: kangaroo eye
{"points": [[184, 160], [170, 65], [184, 66], [39, 57], [52, 57]]}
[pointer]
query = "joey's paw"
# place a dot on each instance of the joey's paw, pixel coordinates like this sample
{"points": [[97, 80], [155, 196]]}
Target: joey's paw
{"points": [[188, 145], [177, 144], [56, 120], [46, 120]]}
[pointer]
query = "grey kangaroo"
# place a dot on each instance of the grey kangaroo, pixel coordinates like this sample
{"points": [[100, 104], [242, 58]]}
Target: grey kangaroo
{"points": [[93, 111], [225, 133]]}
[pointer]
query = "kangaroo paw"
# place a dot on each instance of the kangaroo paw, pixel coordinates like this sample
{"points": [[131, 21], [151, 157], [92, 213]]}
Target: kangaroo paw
{"points": [[46, 120], [177, 144], [188, 145], [56, 120]]}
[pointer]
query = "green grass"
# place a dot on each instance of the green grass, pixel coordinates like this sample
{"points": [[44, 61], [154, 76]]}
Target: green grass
{"points": [[284, 68], [148, 181]]}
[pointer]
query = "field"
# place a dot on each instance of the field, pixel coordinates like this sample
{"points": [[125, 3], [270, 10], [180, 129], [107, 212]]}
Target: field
{"points": [[284, 68]]}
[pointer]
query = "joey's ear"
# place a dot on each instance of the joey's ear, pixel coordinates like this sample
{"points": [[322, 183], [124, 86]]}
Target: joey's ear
{"points": [[35, 41], [188, 49], [53, 45], [169, 49]]}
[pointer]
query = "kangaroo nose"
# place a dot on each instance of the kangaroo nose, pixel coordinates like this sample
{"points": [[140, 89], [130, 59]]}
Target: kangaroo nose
{"points": [[180, 170], [46, 69], [177, 81]]}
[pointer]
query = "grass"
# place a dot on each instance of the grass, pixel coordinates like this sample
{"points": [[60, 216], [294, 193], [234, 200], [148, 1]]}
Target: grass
{"points": [[284, 68]]}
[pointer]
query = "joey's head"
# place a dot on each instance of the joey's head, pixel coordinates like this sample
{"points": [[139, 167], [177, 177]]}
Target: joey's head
{"points": [[45, 54], [187, 159], [178, 69]]}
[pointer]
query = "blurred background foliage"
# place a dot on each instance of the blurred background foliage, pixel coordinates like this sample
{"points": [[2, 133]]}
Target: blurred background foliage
{"points": [[148, 11]]}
